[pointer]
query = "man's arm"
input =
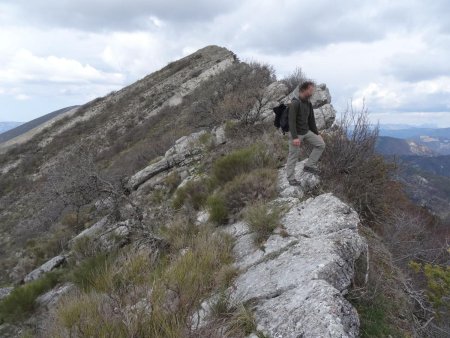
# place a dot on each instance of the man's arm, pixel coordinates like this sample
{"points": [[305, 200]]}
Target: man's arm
{"points": [[312, 121], [293, 112]]}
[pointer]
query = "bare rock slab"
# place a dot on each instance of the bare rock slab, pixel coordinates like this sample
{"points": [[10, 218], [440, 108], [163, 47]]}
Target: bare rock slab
{"points": [[298, 282]]}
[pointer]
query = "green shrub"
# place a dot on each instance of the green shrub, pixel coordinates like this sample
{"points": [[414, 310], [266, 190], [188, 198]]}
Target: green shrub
{"points": [[86, 274], [262, 219], [193, 194], [21, 301], [259, 184], [438, 285], [86, 315], [180, 233], [242, 161], [85, 247], [218, 212]]}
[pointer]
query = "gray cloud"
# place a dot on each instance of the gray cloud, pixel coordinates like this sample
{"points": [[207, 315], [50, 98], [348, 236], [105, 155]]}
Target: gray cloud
{"points": [[116, 14], [393, 52]]}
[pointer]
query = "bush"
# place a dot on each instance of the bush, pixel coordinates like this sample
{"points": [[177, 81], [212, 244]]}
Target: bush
{"points": [[294, 79], [352, 169], [242, 161], [259, 184], [218, 212], [87, 274], [180, 233], [262, 219], [193, 194], [21, 301], [86, 315], [438, 286]]}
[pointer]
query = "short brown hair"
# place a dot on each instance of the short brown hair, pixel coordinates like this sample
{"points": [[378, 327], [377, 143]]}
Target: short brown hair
{"points": [[305, 85]]}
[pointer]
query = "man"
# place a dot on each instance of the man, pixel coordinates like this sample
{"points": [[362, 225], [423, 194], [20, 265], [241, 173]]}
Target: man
{"points": [[302, 127]]}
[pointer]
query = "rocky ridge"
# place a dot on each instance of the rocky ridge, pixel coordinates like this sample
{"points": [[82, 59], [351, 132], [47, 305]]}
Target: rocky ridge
{"points": [[298, 283]]}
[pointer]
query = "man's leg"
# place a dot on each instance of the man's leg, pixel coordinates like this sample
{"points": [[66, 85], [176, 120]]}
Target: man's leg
{"points": [[291, 160], [318, 147]]}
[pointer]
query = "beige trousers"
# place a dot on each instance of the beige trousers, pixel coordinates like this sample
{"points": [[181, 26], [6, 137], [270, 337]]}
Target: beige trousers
{"points": [[318, 147]]}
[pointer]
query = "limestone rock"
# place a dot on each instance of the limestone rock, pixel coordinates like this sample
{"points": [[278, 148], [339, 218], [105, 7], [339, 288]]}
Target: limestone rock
{"points": [[51, 297], [298, 281], [272, 96], [325, 116], [308, 181], [46, 267], [183, 152], [108, 235], [4, 292], [219, 134], [321, 96]]}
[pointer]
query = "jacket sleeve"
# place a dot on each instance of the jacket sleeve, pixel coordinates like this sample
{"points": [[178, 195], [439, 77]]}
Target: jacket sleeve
{"points": [[293, 113], [312, 122]]}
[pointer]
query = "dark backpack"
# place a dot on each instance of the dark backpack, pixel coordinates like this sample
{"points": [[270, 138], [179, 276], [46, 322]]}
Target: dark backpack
{"points": [[281, 117]]}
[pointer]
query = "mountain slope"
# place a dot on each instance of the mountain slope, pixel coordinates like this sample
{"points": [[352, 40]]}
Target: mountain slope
{"points": [[30, 128], [394, 146], [163, 210], [5, 126]]}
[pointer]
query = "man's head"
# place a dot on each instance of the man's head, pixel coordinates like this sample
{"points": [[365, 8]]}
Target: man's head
{"points": [[306, 89]]}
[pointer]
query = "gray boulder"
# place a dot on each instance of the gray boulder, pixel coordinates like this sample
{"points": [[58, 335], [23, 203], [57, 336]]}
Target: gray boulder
{"points": [[185, 150], [308, 181], [299, 281], [4, 292], [321, 96], [49, 299], [106, 235], [325, 116], [46, 267]]}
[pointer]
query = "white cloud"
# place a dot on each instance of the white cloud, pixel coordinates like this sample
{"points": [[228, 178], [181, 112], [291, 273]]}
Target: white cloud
{"points": [[136, 54], [25, 66], [392, 53]]}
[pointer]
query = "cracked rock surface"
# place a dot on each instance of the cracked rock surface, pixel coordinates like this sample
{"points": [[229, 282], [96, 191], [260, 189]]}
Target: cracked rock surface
{"points": [[297, 283]]}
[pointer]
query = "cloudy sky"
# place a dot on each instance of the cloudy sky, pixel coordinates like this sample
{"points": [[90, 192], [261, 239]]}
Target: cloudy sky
{"points": [[393, 55]]}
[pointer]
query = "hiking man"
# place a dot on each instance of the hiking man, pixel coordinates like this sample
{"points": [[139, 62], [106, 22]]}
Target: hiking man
{"points": [[302, 127]]}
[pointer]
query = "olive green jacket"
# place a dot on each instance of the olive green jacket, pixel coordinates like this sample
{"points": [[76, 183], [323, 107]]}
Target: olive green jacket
{"points": [[301, 118]]}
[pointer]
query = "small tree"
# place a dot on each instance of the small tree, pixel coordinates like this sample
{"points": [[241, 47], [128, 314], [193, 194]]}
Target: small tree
{"points": [[76, 181], [294, 79]]}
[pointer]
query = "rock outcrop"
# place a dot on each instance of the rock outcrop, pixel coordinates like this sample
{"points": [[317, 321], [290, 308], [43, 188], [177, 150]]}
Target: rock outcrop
{"points": [[186, 150], [46, 267], [298, 281]]}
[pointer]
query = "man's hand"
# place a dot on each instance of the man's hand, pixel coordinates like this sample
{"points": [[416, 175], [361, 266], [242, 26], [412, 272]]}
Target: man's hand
{"points": [[296, 142]]}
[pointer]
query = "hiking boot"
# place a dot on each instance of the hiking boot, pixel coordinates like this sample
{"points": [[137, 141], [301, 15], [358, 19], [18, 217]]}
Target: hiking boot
{"points": [[311, 169], [294, 182]]}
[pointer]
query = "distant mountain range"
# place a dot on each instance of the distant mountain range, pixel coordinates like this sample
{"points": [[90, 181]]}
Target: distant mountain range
{"points": [[424, 159], [28, 128], [421, 141], [7, 125]]}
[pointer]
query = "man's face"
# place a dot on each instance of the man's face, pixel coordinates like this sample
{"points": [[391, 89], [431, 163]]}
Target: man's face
{"points": [[307, 93]]}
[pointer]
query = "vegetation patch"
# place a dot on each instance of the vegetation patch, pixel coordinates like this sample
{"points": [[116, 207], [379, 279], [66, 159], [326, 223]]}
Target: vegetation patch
{"points": [[263, 218], [22, 300], [242, 161]]}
